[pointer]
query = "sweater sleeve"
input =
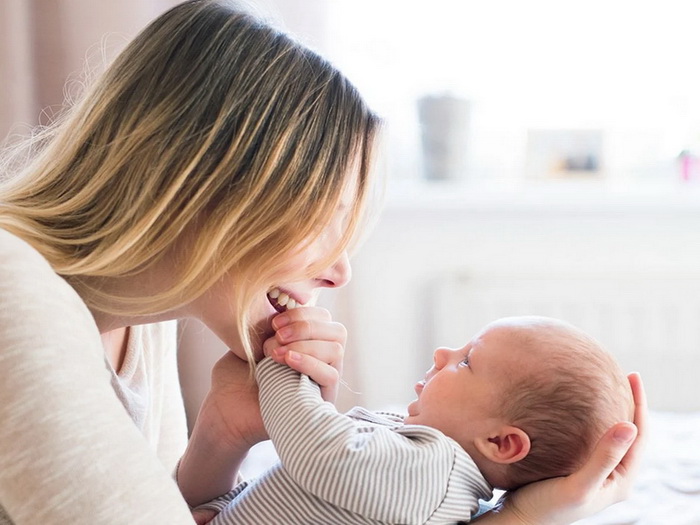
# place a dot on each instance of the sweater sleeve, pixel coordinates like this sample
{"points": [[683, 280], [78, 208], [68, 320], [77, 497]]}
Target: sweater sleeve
{"points": [[352, 465], [172, 431], [69, 453]]}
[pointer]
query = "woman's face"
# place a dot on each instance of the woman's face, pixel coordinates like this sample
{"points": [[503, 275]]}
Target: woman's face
{"points": [[216, 309]]}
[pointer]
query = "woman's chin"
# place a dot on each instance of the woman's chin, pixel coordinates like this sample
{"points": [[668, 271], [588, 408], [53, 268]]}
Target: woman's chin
{"points": [[239, 353], [261, 332]]}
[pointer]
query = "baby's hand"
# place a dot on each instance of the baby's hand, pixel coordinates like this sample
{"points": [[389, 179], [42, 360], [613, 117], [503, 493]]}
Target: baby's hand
{"points": [[310, 342]]}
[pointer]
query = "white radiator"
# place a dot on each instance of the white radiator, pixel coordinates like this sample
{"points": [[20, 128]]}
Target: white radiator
{"points": [[651, 324]]}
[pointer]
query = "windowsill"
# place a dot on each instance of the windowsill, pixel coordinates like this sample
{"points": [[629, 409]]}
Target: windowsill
{"points": [[542, 196]]}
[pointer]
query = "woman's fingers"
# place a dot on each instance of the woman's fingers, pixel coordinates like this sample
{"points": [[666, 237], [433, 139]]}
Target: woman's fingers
{"points": [[606, 477], [617, 455], [631, 461], [640, 402], [625, 473], [602, 468]]}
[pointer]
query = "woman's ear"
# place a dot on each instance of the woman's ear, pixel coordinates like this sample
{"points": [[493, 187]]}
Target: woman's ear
{"points": [[507, 445]]}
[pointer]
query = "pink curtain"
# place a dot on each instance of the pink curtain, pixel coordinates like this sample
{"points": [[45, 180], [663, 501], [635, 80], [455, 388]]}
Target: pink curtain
{"points": [[46, 43]]}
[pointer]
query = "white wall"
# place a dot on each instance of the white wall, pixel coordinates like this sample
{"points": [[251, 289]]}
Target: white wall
{"points": [[427, 237]]}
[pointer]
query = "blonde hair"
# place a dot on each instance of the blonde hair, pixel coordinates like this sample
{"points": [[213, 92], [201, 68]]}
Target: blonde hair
{"points": [[575, 393], [209, 119]]}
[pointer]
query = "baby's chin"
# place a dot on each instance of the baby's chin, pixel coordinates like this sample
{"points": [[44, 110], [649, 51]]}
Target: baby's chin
{"points": [[412, 413]]}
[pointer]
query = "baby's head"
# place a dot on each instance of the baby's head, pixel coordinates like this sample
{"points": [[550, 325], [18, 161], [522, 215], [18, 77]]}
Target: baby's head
{"points": [[527, 398]]}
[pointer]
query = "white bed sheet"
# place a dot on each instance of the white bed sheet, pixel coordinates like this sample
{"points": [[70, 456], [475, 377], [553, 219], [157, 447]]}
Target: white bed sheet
{"points": [[667, 491]]}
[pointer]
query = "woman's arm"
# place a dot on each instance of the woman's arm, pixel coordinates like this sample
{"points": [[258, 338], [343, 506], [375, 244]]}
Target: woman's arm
{"points": [[605, 479], [69, 453], [227, 426]]}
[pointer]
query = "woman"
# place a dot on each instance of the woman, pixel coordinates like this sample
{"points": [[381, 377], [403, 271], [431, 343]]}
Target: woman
{"points": [[216, 167]]}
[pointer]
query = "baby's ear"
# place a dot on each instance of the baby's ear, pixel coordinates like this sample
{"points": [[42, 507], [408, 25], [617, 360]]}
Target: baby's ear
{"points": [[507, 445]]}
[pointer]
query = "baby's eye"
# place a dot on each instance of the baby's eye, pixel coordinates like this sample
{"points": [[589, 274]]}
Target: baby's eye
{"points": [[465, 361]]}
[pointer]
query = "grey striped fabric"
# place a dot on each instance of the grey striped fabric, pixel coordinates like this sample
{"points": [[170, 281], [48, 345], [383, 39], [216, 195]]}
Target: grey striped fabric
{"points": [[359, 467]]}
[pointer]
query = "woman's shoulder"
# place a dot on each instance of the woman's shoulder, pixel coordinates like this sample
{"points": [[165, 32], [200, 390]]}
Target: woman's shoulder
{"points": [[18, 257], [28, 282]]}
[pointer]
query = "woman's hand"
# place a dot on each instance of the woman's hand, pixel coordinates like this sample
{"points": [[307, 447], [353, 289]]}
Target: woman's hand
{"points": [[605, 479], [227, 426], [307, 340], [233, 399]]}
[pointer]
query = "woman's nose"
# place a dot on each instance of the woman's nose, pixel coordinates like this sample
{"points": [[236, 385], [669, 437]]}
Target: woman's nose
{"points": [[339, 274]]}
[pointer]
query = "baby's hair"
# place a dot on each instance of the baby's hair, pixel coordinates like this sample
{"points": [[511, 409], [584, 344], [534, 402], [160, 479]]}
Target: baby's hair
{"points": [[214, 142], [575, 393]]}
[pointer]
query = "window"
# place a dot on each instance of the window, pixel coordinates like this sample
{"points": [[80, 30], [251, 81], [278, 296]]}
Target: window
{"points": [[627, 69]]}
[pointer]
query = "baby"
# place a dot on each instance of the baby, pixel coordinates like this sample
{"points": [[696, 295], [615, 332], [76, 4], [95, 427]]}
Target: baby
{"points": [[526, 399]]}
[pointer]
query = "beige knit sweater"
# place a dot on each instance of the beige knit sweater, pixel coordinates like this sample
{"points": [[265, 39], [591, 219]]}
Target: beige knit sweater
{"points": [[79, 444]]}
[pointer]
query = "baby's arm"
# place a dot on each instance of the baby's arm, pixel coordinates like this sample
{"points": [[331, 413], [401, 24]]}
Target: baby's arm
{"points": [[350, 465], [344, 463]]}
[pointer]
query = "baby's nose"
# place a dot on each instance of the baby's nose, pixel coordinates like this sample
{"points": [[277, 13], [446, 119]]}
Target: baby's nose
{"points": [[441, 357]]}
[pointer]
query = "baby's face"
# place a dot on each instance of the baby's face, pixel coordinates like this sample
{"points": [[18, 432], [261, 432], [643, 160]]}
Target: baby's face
{"points": [[461, 393]]}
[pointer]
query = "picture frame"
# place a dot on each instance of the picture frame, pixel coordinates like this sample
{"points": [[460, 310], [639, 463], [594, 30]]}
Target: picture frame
{"points": [[564, 153]]}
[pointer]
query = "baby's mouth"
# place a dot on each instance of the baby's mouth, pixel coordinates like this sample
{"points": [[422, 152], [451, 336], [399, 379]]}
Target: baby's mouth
{"points": [[281, 300]]}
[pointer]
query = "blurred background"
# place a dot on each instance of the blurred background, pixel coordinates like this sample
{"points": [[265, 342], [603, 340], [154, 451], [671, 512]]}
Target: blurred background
{"points": [[541, 158]]}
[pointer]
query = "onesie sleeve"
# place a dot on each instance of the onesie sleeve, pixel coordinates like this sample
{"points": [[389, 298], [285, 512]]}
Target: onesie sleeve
{"points": [[69, 452], [356, 466]]}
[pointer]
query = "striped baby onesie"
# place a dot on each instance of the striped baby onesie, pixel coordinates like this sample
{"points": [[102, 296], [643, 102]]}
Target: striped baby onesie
{"points": [[358, 467]]}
